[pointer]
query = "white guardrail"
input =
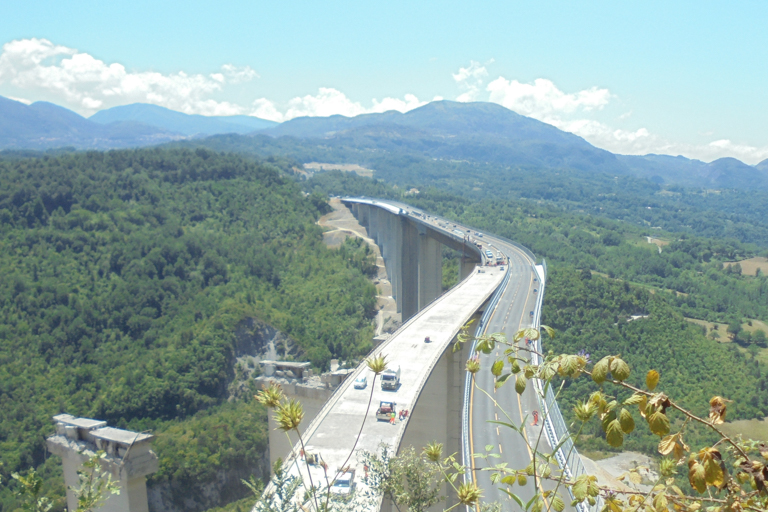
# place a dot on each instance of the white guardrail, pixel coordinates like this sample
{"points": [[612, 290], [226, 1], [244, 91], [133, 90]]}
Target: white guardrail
{"points": [[555, 426]]}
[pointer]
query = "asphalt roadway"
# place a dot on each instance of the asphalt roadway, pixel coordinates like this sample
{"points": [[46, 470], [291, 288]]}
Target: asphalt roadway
{"points": [[512, 313]]}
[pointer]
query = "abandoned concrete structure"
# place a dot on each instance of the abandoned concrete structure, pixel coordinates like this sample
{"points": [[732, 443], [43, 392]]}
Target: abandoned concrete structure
{"points": [[129, 459]]}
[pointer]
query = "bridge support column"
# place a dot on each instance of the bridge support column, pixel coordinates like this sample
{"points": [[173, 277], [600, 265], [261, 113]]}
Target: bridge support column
{"points": [[437, 413], [373, 224], [430, 270], [467, 266], [408, 298], [392, 252]]}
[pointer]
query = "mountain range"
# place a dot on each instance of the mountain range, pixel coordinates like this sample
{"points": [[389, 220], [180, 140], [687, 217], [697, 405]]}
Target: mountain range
{"points": [[487, 132], [43, 125], [177, 122], [481, 132]]}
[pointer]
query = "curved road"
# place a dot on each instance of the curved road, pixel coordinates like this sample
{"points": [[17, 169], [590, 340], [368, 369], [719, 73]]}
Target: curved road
{"points": [[328, 433], [512, 313]]}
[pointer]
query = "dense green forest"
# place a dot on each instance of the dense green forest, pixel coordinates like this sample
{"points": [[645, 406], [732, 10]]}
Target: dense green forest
{"points": [[125, 275], [594, 315], [725, 213]]}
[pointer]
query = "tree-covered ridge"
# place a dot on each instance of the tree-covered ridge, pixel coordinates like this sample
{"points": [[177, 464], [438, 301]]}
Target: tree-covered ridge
{"points": [[594, 315], [695, 210], [125, 274], [691, 266]]}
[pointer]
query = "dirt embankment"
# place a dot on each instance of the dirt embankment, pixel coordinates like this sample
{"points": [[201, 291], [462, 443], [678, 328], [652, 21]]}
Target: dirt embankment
{"points": [[340, 224]]}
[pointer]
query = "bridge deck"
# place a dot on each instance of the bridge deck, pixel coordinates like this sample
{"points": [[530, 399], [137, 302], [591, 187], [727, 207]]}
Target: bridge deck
{"points": [[332, 433]]}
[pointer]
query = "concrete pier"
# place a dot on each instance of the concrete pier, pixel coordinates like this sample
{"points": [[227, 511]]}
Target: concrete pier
{"points": [[129, 459]]}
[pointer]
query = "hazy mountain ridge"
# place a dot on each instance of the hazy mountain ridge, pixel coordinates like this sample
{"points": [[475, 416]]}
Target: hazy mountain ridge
{"points": [[178, 122], [43, 125], [482, 132], [491, 133]]}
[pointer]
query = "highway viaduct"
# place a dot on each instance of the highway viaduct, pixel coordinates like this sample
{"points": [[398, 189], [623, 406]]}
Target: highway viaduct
{"points": [[435, 387]]}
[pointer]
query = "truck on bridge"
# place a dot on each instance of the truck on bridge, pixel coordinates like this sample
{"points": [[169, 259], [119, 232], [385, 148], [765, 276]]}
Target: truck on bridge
{"points": [[386, 410], [390, 379]]}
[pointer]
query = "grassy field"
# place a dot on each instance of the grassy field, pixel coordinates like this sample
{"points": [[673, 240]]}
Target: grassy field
{"points": [[360, 171], [724, 337], [749, 267], [749, 429], [721, 329]]}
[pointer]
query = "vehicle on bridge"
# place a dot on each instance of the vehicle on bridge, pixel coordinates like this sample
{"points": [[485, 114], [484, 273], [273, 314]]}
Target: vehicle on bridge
{"points": [[385, 410], [344, 483], [361, 382], [390, 379]]}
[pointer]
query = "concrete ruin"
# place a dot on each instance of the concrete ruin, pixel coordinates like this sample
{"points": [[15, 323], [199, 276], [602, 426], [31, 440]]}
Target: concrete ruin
{"points": [[129, 459]]}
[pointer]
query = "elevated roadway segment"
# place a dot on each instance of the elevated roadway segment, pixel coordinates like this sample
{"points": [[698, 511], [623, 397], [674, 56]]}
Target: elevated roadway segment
{"points": [[409, 240]]}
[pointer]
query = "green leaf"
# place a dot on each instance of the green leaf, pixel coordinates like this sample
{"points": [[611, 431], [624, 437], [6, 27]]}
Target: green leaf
{"points": [[636, 398], [607, 419], [600, 370], [509, 480], [697, 476], [501, 380], [659, 423], [520, 384], [651, 379], [515, 497], [557, 503], [627, 421], [579, 488], [614, 435], [497, 368], [619, 369], [510, 425]]}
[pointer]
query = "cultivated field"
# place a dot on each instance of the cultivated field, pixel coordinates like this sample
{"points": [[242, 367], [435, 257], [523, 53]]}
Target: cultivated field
{"points": [[360, 171], [749, 267], [749, 429]]}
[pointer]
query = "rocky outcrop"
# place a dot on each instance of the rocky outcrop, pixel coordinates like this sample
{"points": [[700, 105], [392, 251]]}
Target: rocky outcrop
{"points": [[225, 487]]}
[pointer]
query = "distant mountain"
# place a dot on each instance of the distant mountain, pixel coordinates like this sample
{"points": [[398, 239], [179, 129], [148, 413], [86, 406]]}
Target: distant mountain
{"points": [[43, 125], [452, 130], [179, 122], [487, 132]]}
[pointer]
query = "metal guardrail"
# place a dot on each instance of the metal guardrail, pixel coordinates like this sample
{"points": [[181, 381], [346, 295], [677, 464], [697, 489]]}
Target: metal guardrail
{"points": [[555, 426], [466, 454]]}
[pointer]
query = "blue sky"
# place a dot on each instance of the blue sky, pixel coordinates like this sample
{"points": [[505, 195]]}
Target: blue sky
{"points": [[632, 77]]}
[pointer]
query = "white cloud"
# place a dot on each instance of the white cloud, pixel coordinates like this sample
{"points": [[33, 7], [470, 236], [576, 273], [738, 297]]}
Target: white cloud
{"points": [[20, 100], [573, 112], [328, 102], [88, 84], [543, 98], [471, 80]]}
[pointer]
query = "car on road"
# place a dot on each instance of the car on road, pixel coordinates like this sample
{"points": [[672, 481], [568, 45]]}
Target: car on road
{"points": [[344, 483], [361, 382]]}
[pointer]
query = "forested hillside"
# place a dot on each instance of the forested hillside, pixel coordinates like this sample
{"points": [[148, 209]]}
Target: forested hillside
{"points": [[594, 315], [700, 209], [124, 276]]}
